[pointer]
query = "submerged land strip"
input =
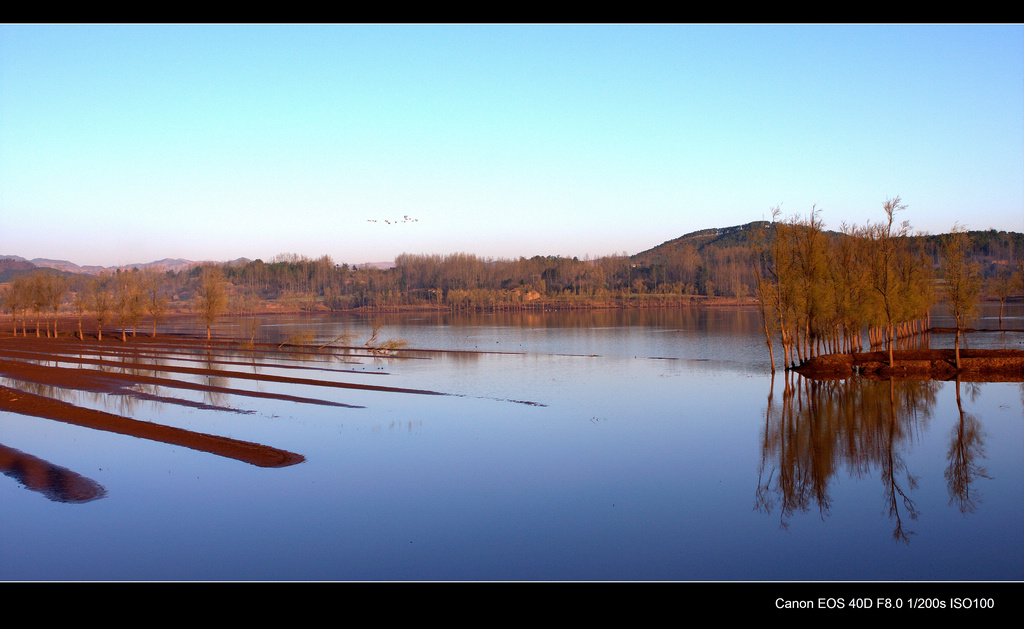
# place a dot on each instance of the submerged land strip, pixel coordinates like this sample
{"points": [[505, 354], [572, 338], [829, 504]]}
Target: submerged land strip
{"points": [[25, 403], [33, 371], [36, 371], [20, 356]]}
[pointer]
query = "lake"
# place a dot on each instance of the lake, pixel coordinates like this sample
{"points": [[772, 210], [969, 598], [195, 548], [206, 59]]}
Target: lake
{"points": [[572, 445]]}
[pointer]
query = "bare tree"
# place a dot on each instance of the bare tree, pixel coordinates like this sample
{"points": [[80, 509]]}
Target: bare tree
{"points": [[887, 238], [211, 298], [39, 297], [128, 299], [1002, 286], [80, 302], [962, 281], [765, 287], [17, 300], [56, 286], [101, 302], [156, 303]]}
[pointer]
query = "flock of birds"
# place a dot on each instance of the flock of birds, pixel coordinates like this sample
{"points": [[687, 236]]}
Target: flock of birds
{"points": [[405, 219]]}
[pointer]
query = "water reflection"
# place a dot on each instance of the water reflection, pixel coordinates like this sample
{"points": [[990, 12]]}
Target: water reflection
{"points": [[636, 469], [966, 451], [823, 426], [26, 403], [56, 483]]}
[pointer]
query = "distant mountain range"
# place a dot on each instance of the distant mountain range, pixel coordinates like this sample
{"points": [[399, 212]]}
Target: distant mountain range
{"points": [[18, 263], [167, 264], [11, 265]]}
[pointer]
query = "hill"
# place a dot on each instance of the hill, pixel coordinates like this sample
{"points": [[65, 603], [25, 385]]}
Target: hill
{"points": [[718, 237], [991, 248], [13, 266]]}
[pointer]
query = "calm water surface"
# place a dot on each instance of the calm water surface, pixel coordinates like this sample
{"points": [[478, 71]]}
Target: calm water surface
{"points": [[583, 445]]}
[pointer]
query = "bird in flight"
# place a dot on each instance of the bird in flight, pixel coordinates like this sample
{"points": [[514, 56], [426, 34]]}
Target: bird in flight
{"points": [[405, 219]]}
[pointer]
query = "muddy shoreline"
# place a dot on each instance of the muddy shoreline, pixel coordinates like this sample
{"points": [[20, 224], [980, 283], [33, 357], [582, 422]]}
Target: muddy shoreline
{"points": [[1005, 365]]}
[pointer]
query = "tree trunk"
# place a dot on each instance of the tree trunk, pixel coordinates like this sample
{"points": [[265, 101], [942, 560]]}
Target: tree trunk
{"points": [[892, 341], [956, 343], [768, 341]]}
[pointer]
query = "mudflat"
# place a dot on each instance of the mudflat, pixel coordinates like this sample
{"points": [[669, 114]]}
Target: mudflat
{"points": [[1005, 365]]}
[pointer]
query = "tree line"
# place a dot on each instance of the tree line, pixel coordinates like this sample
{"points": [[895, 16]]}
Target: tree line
{"points": [[123, 298], [817, 288]]}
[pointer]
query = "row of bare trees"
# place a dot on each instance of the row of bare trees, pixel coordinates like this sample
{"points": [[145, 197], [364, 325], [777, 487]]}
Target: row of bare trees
{"points": [[824, 293], [124, 297], [40, 293]]}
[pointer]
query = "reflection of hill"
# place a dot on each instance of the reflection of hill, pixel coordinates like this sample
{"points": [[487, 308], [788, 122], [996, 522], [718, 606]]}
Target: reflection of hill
{"points": [[822, 426], [54, 482]]}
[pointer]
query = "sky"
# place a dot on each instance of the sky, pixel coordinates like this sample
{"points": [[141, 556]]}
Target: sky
{"points": [[132, 143]]}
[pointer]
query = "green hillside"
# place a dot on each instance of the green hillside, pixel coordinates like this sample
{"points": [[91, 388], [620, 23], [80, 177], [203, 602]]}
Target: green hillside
{"points": [[993, 249]]}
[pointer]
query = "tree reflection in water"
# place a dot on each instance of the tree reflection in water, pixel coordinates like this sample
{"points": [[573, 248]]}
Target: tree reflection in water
{"points": [[966, 450], [861, 424]]}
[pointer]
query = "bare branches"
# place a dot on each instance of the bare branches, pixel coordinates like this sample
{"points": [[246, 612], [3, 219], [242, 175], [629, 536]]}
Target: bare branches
{"points": [[962, 280], [822, 290], [211, 298], [383, 348]]}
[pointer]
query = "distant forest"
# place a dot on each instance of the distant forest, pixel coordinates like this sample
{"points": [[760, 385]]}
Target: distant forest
{"points": [[709, 265]]}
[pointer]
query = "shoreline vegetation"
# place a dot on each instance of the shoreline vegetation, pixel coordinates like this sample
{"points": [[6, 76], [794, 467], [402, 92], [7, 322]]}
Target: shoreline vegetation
{"points": [[857, 290]]}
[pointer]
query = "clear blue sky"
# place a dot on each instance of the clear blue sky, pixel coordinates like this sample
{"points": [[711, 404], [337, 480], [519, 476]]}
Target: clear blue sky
{"points": [[124, 143]]}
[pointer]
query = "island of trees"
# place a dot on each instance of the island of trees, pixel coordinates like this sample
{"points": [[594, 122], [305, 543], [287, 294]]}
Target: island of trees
{"points": [[865, 287]]}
